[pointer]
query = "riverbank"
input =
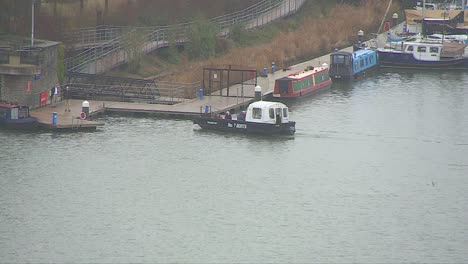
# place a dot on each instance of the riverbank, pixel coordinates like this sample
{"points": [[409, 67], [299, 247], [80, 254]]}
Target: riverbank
{"points": [[316, 30]]}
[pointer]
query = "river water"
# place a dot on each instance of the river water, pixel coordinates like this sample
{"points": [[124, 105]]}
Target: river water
{"points": [[376, 173]]}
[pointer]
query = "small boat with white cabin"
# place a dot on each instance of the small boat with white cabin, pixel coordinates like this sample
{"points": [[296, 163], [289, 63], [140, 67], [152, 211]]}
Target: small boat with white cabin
{"points": [[261, 117], [424, 55]]}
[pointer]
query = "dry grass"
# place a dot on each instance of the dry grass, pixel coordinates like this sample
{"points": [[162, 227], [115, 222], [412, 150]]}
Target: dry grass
{"points": [[316, 36]]}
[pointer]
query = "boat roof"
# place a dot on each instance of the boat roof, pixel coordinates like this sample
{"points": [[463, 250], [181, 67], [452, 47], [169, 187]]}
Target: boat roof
{"points": [[356, 53], [264, 104], [8, 105], [363, 52], [341, 53], [419, 43], [305, 73]]}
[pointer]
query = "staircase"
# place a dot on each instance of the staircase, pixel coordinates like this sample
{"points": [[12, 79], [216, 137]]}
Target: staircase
{"points": [[107, 47]]}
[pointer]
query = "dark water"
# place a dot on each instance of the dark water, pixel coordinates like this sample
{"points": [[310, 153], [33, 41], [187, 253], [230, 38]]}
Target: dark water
{"points": [[377, 173]]}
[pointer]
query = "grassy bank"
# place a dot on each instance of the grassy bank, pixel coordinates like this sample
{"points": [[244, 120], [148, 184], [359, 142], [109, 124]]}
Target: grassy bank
{"points": [[315, 35], [320, 27]]}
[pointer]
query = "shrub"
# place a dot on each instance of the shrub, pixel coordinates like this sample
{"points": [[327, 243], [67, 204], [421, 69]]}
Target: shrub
{"points": [[202, 39]]}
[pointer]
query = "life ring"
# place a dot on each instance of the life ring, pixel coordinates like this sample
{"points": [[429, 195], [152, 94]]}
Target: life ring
{"points": [[82, 115]]}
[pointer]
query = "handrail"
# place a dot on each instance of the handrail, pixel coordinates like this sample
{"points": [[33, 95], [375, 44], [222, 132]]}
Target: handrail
{"points": [[159, 35]]}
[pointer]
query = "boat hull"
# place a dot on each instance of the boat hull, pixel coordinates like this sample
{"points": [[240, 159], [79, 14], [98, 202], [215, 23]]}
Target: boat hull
{"points": [[407, 61], [29, 123], [305, 91], [238, 126]]}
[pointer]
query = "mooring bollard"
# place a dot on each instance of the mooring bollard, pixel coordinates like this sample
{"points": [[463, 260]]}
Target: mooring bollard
{"points": [[54, 118], [394, 19], [272, 67], [200, 93], [84, 110], [258, 93], [360, 35]]}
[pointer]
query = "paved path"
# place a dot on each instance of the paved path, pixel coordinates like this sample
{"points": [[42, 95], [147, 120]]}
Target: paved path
{"points": [[218, 103], [67, 120]]}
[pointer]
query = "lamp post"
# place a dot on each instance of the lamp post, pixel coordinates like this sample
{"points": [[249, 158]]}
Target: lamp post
{"points": [[32, 22]]}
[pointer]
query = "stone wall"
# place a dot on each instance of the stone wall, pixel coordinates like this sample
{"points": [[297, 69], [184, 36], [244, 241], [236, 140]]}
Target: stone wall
{"points": [[24, 86]]}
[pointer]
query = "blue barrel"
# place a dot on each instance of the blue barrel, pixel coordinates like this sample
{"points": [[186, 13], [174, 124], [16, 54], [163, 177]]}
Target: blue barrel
{"points": [[272, 67], [54, 118], [200, 93], [265, 73], [207, 109]]}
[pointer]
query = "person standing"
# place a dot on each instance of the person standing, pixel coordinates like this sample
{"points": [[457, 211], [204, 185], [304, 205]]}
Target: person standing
{"points": [[52, 95], [56, 94], [66, 97]]}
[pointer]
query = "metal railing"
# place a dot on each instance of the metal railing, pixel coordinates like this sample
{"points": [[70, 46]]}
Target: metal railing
{"points": [[255, 16], [164, 93]]}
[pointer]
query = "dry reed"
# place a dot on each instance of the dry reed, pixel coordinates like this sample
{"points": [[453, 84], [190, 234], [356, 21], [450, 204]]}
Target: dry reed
{"points": [[316, 36]]}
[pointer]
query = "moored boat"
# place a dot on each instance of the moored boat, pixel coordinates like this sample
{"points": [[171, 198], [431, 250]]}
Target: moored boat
{"points": [[424, 55], [13, 116], [310, 80], [347, 65], [261, 117]]}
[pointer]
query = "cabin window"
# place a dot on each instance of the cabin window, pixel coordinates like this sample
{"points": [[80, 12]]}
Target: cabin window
{"points": [[285, 112], [278, 111], [371, 59], [23, 113], [338, 59], [434, 50], [410, 48], [257, 113], [272, 113], [421, 49], [361, 63], [14, 113], [3, 113]]}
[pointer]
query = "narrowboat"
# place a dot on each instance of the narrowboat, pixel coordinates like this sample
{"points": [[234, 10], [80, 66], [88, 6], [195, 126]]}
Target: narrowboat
{"points": [[347, 65], [261, 117], [424, 55], [13, 116], [295, 85]]}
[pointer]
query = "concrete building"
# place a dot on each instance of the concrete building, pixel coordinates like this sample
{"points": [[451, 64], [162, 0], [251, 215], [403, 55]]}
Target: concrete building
{"points": [[27, 73]]}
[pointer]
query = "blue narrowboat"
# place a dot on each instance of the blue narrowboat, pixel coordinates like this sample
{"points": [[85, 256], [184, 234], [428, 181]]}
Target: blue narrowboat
{"points": [[347, 65], [13, 116]]}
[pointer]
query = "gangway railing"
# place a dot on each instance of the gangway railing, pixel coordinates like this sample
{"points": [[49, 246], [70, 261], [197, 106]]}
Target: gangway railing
{"points": [[255, 16]]}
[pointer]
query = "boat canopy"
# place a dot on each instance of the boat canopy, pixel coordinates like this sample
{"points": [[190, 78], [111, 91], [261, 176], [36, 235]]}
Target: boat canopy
{"points": [[267, 112], [416, 16]]}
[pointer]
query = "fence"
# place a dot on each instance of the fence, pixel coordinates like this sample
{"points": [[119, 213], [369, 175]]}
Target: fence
{"points": [[164, 93]]}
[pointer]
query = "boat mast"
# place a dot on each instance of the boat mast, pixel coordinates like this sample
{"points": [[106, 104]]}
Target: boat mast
{"points": [[383, 19], [424, 10]]}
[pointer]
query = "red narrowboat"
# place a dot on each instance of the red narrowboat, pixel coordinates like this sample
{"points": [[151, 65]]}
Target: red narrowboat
{"points": [[310, 80]]}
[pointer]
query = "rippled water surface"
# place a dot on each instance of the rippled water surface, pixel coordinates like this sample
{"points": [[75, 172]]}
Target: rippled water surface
{"points": [[377, 172]]}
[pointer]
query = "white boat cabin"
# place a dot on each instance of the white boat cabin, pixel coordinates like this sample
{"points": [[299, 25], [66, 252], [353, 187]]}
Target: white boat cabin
{"points": [[267, 112], [424, 51]]}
